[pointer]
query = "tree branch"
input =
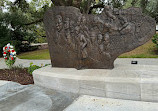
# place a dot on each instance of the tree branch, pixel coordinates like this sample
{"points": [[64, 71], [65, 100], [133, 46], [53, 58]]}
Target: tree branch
{"points": [[101, 5], [35, 22], [17, 1], [58, 2], [89, 2]]}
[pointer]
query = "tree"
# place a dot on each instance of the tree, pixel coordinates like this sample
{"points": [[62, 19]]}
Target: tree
{"points": [[19, 22]]}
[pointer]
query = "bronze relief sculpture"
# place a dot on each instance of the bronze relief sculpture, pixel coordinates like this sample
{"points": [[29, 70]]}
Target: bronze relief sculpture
{"points": [[94, 41]]}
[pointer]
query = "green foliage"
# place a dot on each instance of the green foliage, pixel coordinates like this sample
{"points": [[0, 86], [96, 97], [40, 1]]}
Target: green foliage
{"points": [[149, 7], [20, 23], [155, 40], [41, 40], [10, 63], [34, 67], [118, 3]]}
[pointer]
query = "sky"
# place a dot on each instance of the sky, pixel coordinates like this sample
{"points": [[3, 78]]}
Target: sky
{"points": [[5, 10]]}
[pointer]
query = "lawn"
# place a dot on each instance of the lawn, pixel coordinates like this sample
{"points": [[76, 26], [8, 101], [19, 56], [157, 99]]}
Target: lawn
{"points": [[145, 51], [38, 54]]}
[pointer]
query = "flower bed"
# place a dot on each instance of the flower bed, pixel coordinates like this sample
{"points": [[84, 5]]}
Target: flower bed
{"points": [[18, 75]]}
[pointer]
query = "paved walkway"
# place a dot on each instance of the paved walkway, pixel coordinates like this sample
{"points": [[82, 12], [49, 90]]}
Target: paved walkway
{"points": [[92, 103], [141, 61], [26, 63], [16, 97]]}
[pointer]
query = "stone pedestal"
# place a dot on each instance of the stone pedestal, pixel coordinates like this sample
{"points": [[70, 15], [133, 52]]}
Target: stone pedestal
{"points": [[131, 82]]}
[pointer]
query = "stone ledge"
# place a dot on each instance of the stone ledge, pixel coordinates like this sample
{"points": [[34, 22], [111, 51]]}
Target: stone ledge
{"points": [[132, 82]]}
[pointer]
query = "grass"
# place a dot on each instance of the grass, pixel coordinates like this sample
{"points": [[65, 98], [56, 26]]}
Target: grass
{"points": [[38, 54], [147, 50]]}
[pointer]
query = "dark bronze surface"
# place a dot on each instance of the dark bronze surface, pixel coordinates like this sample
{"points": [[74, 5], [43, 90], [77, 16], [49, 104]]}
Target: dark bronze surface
{"points": [[94, 41]]}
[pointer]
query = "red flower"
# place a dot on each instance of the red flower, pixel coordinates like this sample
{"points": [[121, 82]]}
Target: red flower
{"points": [[8, 50], [6, 58], [13, 50], [4, 53], [5, 47], [12, 58]]}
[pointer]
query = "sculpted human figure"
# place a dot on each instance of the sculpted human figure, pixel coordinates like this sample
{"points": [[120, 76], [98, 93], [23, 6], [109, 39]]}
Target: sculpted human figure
{"points": [[83, 26], [67, 30], [83, 44], [103, 43], [100, 43], [82, 51], [106, 39], [59, 26], [67, 24], [77, 37], [59, 23], [93, 38], [126, 26], [108, 11], [78, 23], [68, 37], [107, 26]]}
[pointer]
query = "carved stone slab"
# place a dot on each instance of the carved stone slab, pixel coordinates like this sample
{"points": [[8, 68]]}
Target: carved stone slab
{"points": [[94, 41]]}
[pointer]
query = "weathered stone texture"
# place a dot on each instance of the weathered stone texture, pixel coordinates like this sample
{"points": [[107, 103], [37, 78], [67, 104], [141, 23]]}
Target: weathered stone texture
{"points": [[94, 41]]}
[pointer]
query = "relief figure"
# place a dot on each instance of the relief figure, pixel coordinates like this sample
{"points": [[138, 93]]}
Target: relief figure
{"points": [[59, 23], [83, 45], [103, 44], [59, 26], [109, 12], [67, 30]]}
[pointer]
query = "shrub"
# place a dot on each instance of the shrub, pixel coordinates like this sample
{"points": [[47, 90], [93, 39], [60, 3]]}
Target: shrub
{"points": [[155, 40], [34, 67]]}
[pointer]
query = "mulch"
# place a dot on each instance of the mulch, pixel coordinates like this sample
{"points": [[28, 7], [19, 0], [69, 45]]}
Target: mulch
{"points": [[16, 75]]}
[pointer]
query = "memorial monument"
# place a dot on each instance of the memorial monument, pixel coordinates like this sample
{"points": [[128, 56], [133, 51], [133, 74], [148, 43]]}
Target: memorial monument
{"points": [[94, 41]]}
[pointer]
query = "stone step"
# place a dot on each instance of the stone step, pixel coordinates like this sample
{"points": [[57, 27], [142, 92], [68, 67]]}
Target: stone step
{"points": [[131, 82], [92, 103], [2, 82]]}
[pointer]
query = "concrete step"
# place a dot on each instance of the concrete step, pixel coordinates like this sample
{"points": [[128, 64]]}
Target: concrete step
{"points": [[92, 103], [131, 82]]}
